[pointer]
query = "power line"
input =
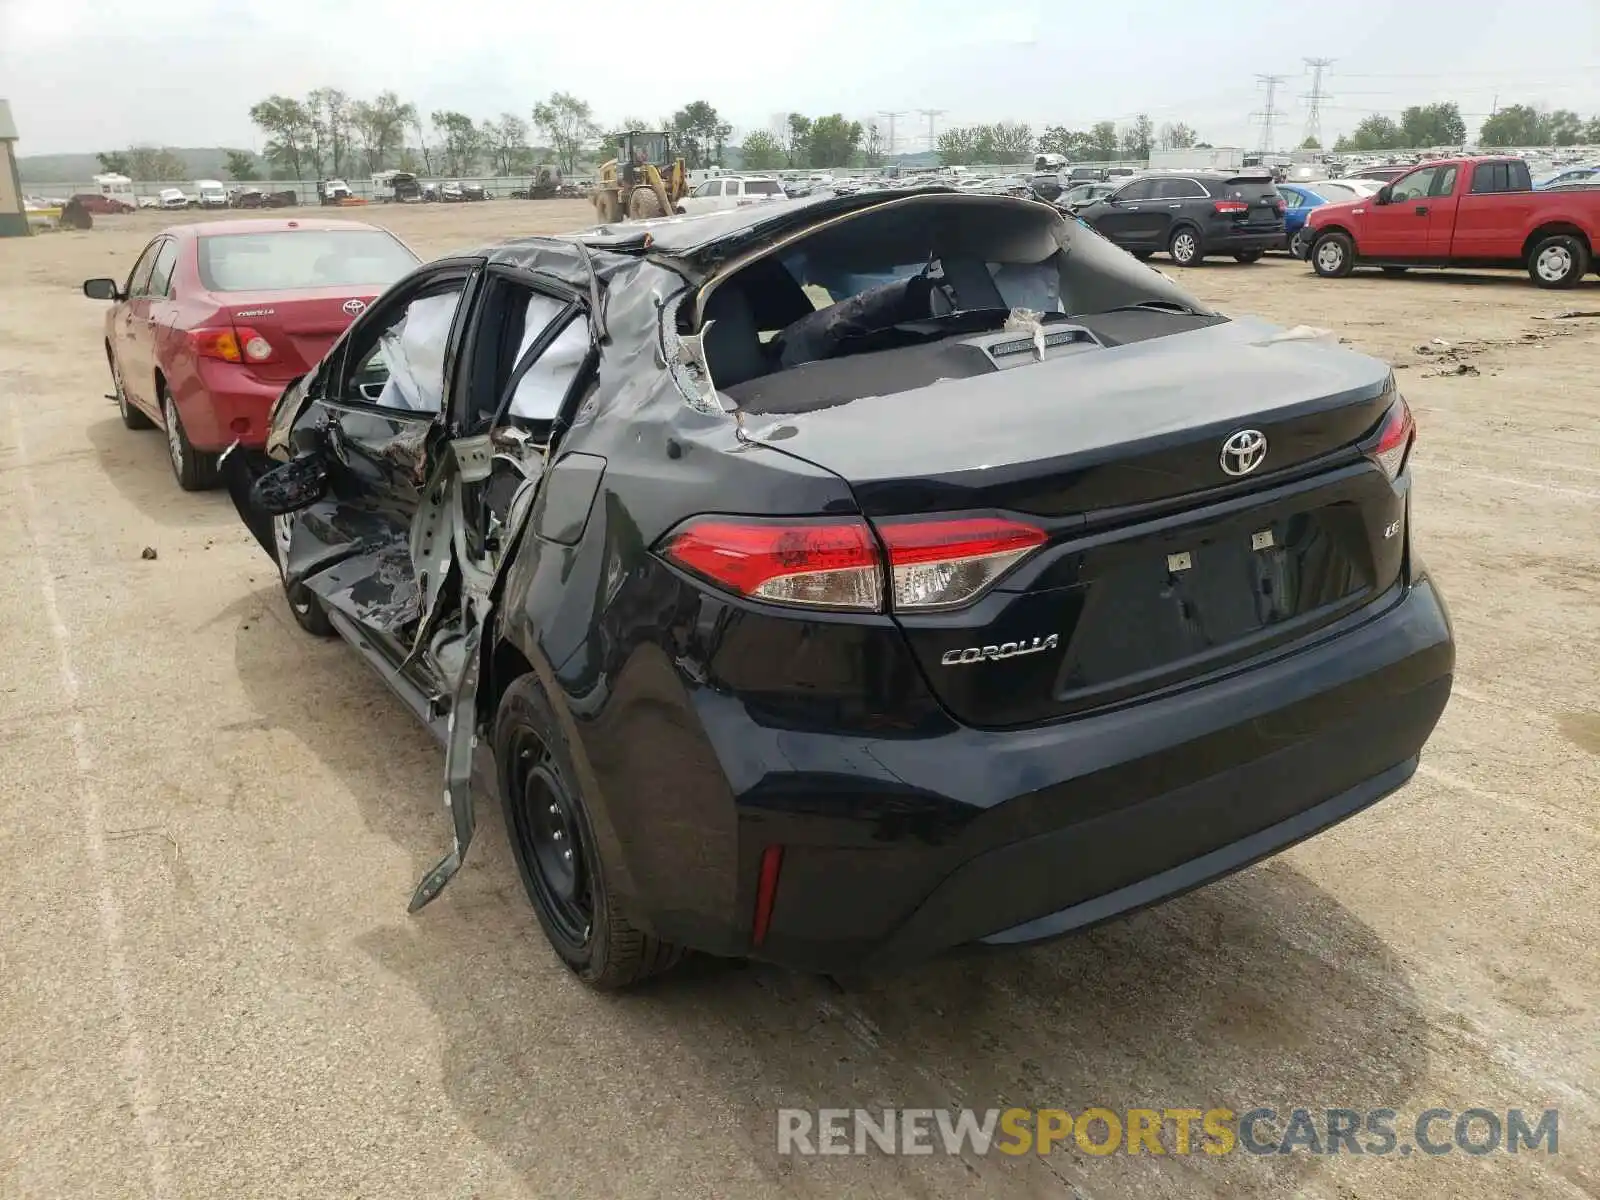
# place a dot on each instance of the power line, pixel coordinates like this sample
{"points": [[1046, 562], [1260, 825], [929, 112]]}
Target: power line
{"points": [[1268, 113], [931, 114], [892, 116], [1316, 98]]}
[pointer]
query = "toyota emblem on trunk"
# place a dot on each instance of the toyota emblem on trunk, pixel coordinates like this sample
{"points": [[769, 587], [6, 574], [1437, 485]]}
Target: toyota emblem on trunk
{"points": [[1243, 452], [355, 307]]}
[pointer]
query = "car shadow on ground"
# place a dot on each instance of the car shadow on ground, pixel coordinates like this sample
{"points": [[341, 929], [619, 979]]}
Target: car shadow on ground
{"points": [[135, 461]]}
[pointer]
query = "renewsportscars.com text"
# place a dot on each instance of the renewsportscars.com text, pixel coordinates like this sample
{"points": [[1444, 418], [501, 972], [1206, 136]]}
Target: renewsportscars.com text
{"points": [[1174, 1131]]}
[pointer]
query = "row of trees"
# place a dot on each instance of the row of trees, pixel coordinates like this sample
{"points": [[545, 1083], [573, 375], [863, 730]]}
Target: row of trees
{"points": [[329, 133], [1442, 125]]}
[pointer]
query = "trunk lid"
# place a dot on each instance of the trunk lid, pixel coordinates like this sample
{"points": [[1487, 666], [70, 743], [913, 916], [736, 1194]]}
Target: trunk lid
{"points": [[302, 326], [1159, 566], [1260, 196]]}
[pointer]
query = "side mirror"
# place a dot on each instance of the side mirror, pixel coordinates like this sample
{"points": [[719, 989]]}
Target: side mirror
{"points": [[101, 289], [1383, 194], [292, 486]]}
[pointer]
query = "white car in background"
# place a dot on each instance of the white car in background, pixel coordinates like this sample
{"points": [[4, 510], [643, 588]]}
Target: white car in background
{"points": [[173, 198], [212, 193], [732, 191]]}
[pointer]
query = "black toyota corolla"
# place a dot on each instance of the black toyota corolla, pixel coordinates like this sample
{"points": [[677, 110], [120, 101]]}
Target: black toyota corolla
{"points": [[846, 580]]}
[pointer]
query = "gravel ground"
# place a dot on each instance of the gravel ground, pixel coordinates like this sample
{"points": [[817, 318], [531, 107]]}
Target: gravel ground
{"points": [[210, 825]]}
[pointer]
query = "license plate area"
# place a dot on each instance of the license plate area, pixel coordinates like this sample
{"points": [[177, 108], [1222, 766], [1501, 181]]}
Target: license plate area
{"points": [[1167, 605]]}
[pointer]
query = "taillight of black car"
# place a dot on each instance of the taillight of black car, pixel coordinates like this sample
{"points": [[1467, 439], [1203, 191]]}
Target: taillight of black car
{"points": [[1395, 437], [904, 565]]}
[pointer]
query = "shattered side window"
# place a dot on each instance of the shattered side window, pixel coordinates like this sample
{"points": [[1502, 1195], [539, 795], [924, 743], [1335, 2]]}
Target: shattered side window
{"points": [[405, 370]]}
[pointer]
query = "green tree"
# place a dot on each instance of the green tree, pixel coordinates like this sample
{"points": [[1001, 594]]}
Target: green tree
{"points": [[1311, 143], [1008, 141], [113, 162], [761, 151], [328, 110], [460, 138], [381, 125], [1515, 125], [833, 141], [288, 128], [1175, 136], [568, 124], [1103, 140], [241, 164], [1565, 127], [1376, 132], [798, 146], [958, 147], [872, 152], [1432, 125], [1591, 131], [506, 141], [701, 132], [1138, 138]]}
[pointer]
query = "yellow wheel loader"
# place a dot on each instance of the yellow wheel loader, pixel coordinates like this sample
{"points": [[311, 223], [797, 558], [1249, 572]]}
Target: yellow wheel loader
{"points": [[641, 181]]}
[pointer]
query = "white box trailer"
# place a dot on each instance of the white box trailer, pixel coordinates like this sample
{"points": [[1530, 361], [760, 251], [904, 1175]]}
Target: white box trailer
{"points": [[1209, 158]]}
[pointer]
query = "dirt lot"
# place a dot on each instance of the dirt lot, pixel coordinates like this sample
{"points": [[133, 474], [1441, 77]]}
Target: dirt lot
{"points": [[210, 826]]}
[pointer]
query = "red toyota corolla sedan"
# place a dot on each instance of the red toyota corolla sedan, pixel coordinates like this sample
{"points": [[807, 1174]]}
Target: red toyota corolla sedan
{"points": [[217, 317]]}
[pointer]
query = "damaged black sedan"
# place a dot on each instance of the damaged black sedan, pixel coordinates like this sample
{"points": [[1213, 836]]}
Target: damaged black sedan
{"points": [[843, 581]]}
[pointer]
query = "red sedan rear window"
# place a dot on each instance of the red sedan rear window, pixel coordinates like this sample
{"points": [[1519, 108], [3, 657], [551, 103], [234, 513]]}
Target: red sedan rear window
{"points": [[293, 259]]}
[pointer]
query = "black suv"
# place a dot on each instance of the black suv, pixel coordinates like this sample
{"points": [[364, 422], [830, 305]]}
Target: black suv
{"points": [[1192, 215]]}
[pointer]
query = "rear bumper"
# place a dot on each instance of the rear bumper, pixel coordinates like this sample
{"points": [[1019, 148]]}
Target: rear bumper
{"points": [[1232, 241], [1001, 838], [223, 403]]}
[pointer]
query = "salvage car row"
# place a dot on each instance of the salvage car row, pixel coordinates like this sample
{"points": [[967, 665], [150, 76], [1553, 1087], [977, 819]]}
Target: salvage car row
{"points": [[684, 522]]}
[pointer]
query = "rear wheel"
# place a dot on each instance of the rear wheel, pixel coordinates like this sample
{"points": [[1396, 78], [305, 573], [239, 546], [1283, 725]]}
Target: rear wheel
{"points": [[132, 417], [1249, 256], [1333, 256], [196, 471], [1558, 261], [1300, 244], [1184, 247], [553, 842]]}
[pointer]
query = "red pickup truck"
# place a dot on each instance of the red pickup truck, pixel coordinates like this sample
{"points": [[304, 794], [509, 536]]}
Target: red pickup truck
{"points": [[1460, 212]]}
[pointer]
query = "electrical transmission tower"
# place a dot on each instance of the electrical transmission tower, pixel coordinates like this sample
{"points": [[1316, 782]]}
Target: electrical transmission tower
{"points": [[891, 116], [931, 114], [1316, 98], [1268, 113]]}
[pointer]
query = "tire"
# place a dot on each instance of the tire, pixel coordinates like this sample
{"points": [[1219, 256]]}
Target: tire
{"points": [[1559, 261], [305, 606], [644, 204], [132, 417], [1184, 246], [1300, 244], [1249, 256], [195, 470], [553, 841], [1333, 255]]}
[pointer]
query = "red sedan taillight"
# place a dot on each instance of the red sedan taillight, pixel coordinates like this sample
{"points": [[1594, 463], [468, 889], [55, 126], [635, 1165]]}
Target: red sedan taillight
{"points": [[228, 343], [838, 563]]}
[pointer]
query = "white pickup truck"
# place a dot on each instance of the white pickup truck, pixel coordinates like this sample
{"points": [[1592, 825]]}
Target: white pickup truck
{"points": [[732, 191]]}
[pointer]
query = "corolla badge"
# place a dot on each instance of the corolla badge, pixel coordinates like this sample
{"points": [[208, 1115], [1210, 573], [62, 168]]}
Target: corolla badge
{"points": [[354, 307], [1243, 452], [976, 654]]}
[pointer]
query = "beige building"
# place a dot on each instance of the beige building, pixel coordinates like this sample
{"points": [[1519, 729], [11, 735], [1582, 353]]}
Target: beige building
{"points": [[13, 221]]}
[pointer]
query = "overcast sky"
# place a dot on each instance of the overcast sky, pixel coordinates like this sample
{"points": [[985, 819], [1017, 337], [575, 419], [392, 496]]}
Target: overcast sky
{"points": [[85, 75]]}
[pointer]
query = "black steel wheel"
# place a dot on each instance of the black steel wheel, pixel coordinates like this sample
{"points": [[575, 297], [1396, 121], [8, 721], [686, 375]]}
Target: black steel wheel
{"points": [[552, 835]]}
